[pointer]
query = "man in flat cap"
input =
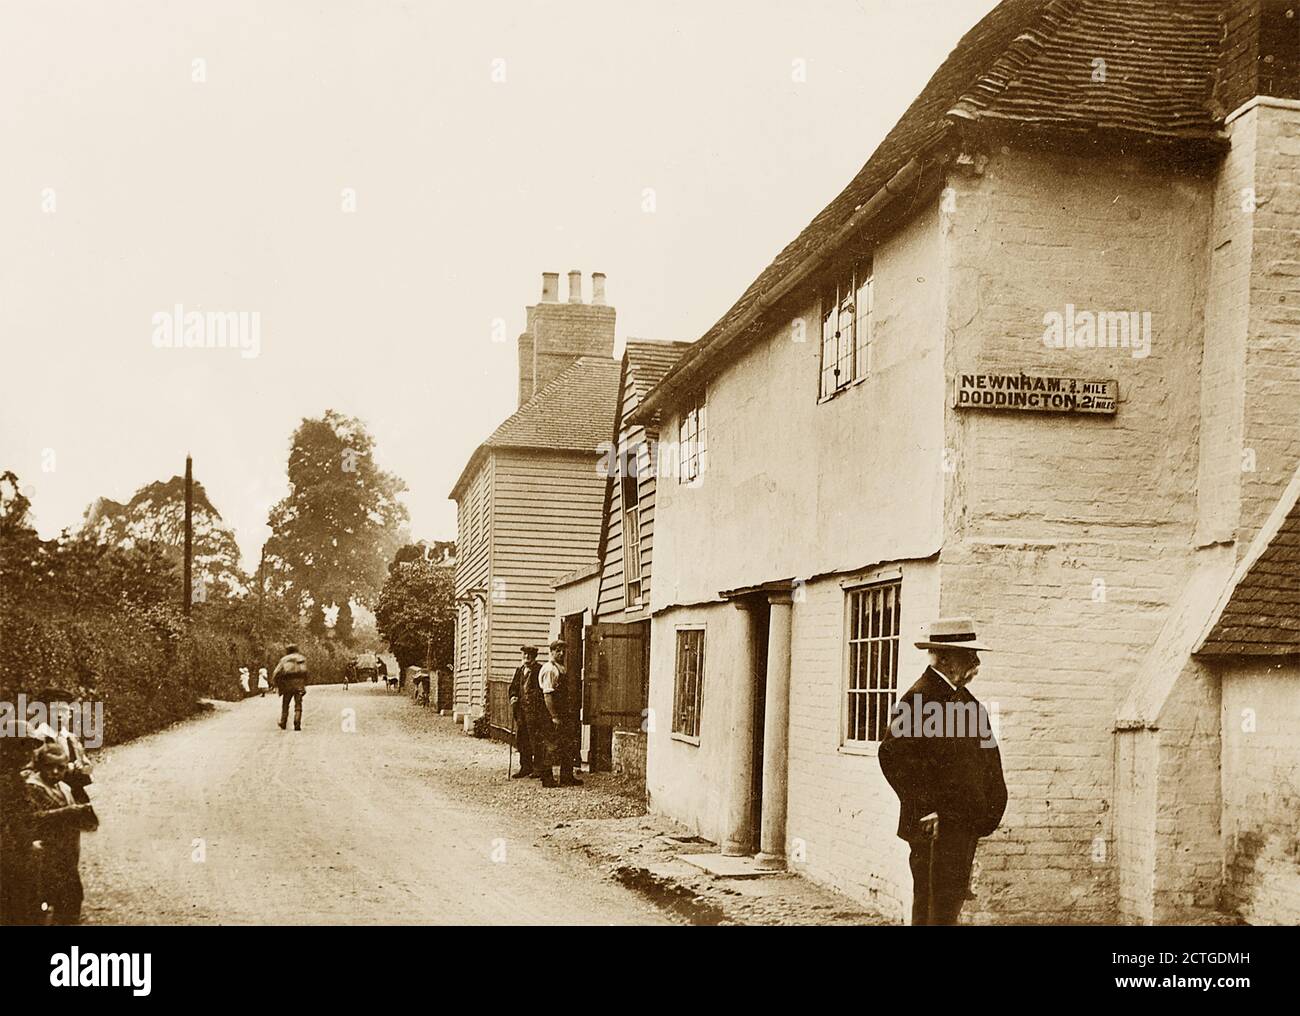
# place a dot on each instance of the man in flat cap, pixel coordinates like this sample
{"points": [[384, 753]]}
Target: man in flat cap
{"points": [[523, 684], [942, 760]]}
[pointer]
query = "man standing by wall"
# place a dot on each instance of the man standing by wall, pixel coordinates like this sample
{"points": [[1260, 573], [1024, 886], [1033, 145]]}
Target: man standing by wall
{"points": [[942, 760], [522, 685], [290, 680], [547, 719]]}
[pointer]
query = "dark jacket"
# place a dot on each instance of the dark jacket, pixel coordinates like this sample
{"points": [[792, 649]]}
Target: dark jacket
{"points": [[943, 760], [523, 684], [290, 673]]}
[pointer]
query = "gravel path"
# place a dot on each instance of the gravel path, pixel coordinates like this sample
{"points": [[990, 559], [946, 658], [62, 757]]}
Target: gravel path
{"points": [[401, 819]]}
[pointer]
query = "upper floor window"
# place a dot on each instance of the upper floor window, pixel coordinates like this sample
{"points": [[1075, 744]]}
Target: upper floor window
{"points": [[846, 329], [630, 501], [692, 443]]}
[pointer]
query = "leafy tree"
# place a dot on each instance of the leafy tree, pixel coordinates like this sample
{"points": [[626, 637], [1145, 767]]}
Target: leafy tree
{"points": [[21, 550], [155, 518], [416, 613], [342, 518], [78, 571]]}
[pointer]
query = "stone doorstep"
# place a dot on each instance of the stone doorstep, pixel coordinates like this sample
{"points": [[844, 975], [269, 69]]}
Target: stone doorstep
{"points": [[721, 866]]}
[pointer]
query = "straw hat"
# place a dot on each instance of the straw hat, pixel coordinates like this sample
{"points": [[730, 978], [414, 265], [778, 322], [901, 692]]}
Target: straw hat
{"points": [[950, 633]]}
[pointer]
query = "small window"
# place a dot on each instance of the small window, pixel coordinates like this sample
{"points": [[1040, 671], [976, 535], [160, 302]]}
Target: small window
{"points": [[688, 688], [872, 680], [692, 444], [846, 329], [630, 503]]}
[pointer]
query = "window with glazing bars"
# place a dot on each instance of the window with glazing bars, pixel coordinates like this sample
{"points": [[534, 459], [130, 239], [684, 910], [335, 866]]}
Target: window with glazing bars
{"points": [[873, 661], [688, 691], [630, 498], [846, 329], [692, 443]]}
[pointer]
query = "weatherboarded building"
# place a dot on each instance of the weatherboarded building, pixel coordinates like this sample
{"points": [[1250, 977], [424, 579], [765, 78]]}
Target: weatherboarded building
{"points": [[529, 499], [616, 647], [1037, 364]]}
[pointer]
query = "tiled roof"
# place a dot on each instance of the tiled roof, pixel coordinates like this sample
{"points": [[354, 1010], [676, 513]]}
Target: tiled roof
{"points": [[1028, 62], [648, 360], [1260, 615], [1140, 66], [575, 412]]}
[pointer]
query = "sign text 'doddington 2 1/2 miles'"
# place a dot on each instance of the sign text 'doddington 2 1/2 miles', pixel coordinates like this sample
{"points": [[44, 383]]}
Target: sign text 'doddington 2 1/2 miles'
{"points": [[1033, 393]]}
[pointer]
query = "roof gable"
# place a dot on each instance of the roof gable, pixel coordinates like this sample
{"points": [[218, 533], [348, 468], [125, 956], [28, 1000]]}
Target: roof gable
{"points": [[572, 413], [648, 360]]}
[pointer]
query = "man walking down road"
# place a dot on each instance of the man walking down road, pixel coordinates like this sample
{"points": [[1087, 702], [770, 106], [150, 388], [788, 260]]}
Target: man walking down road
{"points": [[548, 731], [290, 680], [522, 685], [940, 756]]}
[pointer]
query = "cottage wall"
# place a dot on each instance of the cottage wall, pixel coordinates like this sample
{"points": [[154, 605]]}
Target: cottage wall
{"points": [[1261, 791], [796, 488], [1069, 537]]}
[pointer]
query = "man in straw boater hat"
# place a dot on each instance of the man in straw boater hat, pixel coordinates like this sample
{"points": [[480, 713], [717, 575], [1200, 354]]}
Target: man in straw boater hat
{"points": [[940, 756]]}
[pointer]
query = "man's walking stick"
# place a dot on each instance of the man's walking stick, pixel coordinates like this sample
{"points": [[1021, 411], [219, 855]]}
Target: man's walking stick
{"points": [[929, 919], [510, 756]]}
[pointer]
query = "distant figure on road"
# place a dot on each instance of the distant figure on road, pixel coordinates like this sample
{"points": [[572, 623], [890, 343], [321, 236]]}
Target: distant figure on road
{"points": [[262, 684], [382, 671], [522, 686], [243, 679], [60, 821], [290, 680]]}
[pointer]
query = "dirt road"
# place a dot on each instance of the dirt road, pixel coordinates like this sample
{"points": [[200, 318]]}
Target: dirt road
{"points": [[228, 820]]}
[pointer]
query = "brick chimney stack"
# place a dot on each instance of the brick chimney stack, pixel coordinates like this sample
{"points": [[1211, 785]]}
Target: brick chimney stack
{"points": [[1260, 53], [558, 333]]}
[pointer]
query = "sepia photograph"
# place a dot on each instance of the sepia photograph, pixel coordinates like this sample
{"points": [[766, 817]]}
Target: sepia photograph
{"points": [[559, 464]]}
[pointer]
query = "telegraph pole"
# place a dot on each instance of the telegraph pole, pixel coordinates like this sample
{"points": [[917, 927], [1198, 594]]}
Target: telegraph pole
{"points": [[261, 591], [189, 534]]}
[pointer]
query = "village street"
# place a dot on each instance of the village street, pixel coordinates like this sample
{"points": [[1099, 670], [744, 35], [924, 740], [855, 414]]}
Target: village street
{"points": [[226, 819]]}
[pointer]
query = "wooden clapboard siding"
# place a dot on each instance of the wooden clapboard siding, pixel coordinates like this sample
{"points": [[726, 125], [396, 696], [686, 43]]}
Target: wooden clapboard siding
{"points": [[546, 512], [611, 604], [473, 571], [529, 505]]}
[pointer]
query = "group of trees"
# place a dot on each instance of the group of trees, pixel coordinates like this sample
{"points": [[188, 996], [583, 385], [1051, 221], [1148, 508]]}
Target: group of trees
{"points": [[416, 613], [99, 606]]}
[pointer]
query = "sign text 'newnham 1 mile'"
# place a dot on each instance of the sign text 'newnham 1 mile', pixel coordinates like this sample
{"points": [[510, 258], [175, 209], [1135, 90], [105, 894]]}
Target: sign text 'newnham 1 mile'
{"points": [[1033, 393]]}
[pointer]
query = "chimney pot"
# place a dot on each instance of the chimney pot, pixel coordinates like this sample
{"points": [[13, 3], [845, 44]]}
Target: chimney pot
{"points": [[550, 287], [575, 287], [598, 287]]}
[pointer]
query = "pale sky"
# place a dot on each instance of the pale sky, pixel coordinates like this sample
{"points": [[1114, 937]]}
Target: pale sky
{"points": [[226, 194]]}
